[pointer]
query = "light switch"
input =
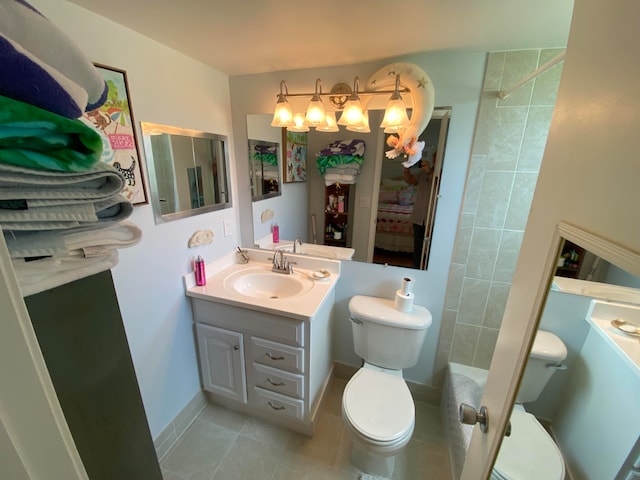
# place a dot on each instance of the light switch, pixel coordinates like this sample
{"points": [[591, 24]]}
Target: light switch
{"points": [[226, 224]]}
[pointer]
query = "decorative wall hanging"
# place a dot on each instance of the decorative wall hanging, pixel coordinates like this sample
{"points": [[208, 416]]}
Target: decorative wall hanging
{"points": [[295, 156], [114, 120]]}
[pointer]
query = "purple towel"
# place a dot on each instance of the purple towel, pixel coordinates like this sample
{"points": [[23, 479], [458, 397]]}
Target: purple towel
{"points": [[343, 147], [42, 66]]}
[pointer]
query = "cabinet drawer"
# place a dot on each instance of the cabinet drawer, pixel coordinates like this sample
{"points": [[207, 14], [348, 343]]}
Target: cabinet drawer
{"points": [[241, 319], [276, 404], [278, 380], [277, 355]]}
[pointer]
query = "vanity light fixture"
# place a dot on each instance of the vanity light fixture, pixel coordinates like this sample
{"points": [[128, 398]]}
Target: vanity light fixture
{"points": [[283, 115], [330, 124], [395, 115], [362, 126], [299, 125], [352, 114], [315, 110], [353, 117]]}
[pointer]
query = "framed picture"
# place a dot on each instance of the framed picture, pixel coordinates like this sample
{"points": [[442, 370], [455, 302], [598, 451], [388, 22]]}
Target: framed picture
{"points": [[294, 165], [114, 120]]}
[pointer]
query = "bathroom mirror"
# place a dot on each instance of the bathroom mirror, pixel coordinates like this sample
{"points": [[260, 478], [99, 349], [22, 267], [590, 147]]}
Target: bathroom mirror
{"points": [[582, 404], [390, 241], [188, 171], [264, 169]]}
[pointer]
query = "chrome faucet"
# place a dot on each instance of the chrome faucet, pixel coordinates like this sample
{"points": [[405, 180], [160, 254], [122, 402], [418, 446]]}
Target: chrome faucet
{"points": [[281, 264], [297, 241]]}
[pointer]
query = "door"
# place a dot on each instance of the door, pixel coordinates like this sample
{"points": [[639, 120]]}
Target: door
{"points": [[434, 194], [28, 396], [222, 362]]}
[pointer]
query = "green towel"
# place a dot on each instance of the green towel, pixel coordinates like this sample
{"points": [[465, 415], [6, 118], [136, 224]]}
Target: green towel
{"points": [[326, 161], [35, 138]]}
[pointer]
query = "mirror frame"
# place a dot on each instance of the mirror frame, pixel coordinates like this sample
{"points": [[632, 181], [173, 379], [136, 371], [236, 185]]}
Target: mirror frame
{"points": [[253, 178], [159, 217]]}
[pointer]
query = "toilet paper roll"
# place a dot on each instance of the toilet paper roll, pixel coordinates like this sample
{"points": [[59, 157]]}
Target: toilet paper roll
{"points": [[407, 286], [404, 303]]}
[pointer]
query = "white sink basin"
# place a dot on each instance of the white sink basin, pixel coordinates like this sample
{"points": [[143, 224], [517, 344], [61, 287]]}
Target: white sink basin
{"points": [[259, 283]]}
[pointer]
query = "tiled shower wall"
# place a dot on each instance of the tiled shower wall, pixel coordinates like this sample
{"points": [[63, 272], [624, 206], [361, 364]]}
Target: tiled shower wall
{"points": [[508, 145]]}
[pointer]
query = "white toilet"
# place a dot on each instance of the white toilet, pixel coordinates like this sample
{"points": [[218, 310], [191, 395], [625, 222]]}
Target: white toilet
{"points": [[530, 453], [377, 406]]}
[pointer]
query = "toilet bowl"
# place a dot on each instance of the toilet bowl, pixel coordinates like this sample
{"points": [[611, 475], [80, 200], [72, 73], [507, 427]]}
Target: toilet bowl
{"points": [[529, 453], [378, 412], [377, 406]]}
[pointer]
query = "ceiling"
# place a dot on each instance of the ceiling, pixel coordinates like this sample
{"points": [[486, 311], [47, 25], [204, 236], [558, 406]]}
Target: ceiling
{"points": [[239, 37]]}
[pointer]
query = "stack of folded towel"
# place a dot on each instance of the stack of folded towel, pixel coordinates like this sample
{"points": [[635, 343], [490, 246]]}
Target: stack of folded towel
{"points": [[340, 161], [61, 209]]}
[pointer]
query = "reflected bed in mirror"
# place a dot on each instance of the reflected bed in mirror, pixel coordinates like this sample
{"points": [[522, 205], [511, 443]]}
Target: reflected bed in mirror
{"points": [[188, 171], [264, 169]]}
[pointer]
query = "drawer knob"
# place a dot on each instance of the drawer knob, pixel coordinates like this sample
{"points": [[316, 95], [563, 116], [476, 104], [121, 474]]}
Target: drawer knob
{"points": [[268, 354], [274, 407], [236, 347], [275, 384]]}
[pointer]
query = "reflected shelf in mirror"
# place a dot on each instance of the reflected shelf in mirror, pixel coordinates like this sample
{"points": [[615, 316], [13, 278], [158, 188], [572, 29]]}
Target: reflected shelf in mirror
{"points": [[188, 171]]}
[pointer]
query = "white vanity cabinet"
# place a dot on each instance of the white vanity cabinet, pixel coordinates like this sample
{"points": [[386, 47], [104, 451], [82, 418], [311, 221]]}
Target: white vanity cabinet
{"points": [[263, 364], [222, 361]]}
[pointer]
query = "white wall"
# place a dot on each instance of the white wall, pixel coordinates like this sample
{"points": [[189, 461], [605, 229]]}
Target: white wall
{"points": [[457, 79], [167, 88]]}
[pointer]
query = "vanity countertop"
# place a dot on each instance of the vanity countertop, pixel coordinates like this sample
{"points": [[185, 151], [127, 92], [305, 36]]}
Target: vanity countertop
{"points": [[311, 249], [306, 270], [627, 346]]}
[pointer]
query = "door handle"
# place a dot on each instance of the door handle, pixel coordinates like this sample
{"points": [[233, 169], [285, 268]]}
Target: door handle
{"points": [[470, 416]]}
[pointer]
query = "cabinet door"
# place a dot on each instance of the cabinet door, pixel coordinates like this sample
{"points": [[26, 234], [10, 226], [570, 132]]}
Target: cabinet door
{"points": [[222, 362]]}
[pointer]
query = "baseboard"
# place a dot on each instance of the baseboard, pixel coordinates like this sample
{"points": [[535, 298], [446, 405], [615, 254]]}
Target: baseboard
{"points": [[172, 432]]}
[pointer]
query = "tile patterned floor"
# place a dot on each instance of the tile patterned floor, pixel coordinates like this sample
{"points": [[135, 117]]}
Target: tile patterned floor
{"points": [[222, 444]]}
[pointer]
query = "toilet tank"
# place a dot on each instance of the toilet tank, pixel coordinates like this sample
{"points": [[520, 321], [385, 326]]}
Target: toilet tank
{"points": [[545, 357], [384, 336]]}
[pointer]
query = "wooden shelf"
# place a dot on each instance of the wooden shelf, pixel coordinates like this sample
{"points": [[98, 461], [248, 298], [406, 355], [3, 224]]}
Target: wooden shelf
{"points": [[336, 197]]}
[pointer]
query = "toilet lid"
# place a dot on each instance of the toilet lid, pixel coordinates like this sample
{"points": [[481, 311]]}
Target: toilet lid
{"points": [[529, 453], [378, 405]]}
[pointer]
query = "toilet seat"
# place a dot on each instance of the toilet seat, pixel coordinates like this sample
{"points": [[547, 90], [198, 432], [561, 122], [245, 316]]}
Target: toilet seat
{"points": [[379, 406], [529, 453]]}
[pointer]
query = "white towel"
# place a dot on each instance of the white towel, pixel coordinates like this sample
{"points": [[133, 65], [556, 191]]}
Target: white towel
{"points": [[338, 171], [108, 211], [335, 178], [83, 241], [39, 275], [42, 188]]}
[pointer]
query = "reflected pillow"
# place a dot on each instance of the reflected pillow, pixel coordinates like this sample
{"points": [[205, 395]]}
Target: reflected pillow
{"points": [[407, 195], [388, 196]]}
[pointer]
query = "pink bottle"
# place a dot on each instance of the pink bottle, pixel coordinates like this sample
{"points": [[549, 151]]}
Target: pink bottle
{"points": [[201, 277]]}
